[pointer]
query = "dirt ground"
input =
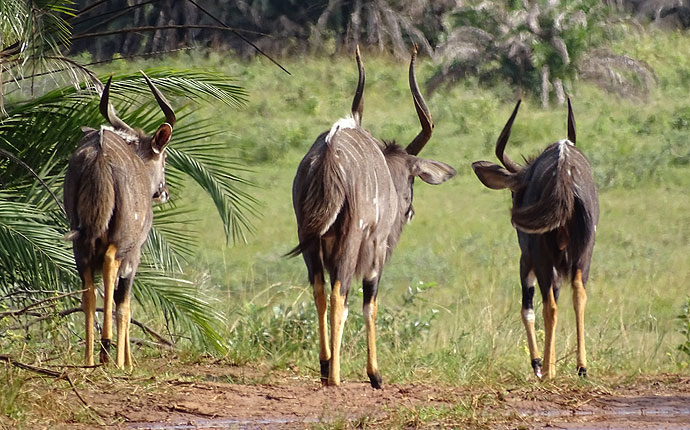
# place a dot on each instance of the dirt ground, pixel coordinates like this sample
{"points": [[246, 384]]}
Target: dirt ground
{"points": [[213, 396]]}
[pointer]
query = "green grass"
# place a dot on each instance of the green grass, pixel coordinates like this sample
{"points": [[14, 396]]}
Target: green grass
{"points": [[461, 242], [449, 302]]}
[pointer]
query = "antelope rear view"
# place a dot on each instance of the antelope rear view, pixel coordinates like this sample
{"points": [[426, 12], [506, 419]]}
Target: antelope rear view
{"points": [[112, 180], [352, 196], [555, 211]]}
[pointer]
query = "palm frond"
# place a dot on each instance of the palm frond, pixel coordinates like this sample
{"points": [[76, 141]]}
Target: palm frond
{"points": [[619, 74], [43, 132], [183, 306], [233, 204], [32, 252], [169, 246], [540, 47]]}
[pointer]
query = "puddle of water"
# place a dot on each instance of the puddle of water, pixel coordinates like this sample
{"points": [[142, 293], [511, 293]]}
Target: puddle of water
{"points": [[234, 424], [610, 411]]}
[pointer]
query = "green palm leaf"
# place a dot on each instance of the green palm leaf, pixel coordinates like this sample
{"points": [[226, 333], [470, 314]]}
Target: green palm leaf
{"points": [[43, 133], [183, 306], [32, 253]]}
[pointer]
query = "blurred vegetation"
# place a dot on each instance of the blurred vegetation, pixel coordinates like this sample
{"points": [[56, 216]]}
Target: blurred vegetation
{"points": [[540, 47], [461, 241], [684, 323], [449, 302]]}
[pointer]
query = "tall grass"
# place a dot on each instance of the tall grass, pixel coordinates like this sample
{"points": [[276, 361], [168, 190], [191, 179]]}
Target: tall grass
{"points": [[460, 244], [449, 301]]}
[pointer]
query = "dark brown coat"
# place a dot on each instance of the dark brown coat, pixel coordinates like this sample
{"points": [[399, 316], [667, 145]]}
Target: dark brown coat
{"points": [[352, 195], [555, 211]]}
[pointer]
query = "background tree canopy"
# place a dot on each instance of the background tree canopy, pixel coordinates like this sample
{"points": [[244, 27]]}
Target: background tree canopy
{"points": [[540, 46]]}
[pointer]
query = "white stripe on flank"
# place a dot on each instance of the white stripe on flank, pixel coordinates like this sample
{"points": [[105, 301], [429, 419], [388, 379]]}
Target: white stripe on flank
{"points": [[330, 222], [347, 122], [375, 201]]}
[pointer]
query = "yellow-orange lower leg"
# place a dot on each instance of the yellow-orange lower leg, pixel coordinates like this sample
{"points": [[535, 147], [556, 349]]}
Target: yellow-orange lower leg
{"points": [[123, 316], [110, 268], [370, 310], [338, 316], [88, 305], [528, 322], [550, 321], [579, 302]]}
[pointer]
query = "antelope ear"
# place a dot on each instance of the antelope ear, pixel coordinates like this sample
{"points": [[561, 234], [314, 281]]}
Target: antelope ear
{"points": [[493, 176], [432, 172], [161, 138]]}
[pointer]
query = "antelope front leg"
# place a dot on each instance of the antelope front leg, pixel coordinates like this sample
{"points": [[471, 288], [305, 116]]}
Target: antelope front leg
{"points": [[369, 310], [579, 301], [338, 317], [88, 305], [528, 282], [123, 316], [550, 321], [110, 269], [321, 307], [124, 355]]}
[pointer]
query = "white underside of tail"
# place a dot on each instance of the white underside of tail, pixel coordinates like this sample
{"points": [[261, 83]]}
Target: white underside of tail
{"points": [[347, 122]]}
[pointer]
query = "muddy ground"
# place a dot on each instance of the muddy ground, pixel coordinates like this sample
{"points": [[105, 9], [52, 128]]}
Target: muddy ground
{"points": [[213, 396]]}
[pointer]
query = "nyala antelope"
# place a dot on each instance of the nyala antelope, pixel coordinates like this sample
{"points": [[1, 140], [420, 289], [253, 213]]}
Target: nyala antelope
{"points": [[112, 180], [352, 195], [555, 212]]}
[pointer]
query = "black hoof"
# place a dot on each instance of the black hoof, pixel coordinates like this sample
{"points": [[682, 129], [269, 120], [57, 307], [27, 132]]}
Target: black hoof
{"points": [[536, 366], [105, 351], [582, 372], [376, 380], [325, 365]]}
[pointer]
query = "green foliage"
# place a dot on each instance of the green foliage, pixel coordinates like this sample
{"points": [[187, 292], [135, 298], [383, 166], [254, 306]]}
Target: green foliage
{"points": [[542, 47], [684, 323], [10, 404], [38, 135], [286, 332], [32, 252], [461, 240]]}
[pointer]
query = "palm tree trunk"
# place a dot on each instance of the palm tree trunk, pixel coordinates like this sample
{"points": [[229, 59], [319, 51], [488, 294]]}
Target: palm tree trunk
{"points": [[545, 84]]}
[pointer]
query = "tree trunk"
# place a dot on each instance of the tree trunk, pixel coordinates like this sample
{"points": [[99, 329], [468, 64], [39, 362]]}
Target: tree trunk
{"points": [[545, 84]]}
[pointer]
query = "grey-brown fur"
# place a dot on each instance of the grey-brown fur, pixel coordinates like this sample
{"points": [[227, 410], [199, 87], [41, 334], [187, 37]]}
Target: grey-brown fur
{"points": [[112, 180], [555, 211], [108, 195], [352, 195]]}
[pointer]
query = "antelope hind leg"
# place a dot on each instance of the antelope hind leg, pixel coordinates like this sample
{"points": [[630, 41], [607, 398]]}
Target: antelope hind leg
{"points": [[321, 307], [369, 311], [123, 316], [579, 301], [110, 268], [550, 322], [528, 281], [88, 304], [338, 317]]}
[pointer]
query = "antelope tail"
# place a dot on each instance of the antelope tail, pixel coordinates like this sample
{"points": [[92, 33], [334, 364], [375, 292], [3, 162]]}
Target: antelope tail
{"points": [[322, 200], [96, 199], [555, 205]]}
